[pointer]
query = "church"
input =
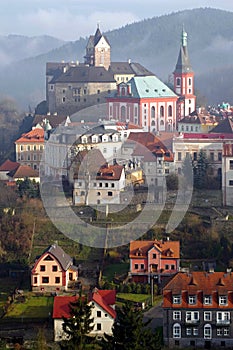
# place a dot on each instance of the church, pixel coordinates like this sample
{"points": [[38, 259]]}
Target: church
{"points": [[132, 93]]}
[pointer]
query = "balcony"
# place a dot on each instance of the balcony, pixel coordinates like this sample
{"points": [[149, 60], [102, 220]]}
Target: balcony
{"points": [[192, 321]]}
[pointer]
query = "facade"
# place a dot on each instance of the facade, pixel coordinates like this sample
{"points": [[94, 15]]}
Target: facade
{"points": [[29, 148], [198, 310], [100, 188], [184, 81], [153, 259], [53, 271], [227, 171], [103, 312], [146, 102]]}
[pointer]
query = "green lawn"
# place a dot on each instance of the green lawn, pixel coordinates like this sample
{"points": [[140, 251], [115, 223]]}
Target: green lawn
{"points": [[33, 307], [114, 270], [137, 298]]}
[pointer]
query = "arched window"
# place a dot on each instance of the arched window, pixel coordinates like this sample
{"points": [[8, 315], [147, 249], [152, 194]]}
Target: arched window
{"points": [[161, 122], [207, 331], [152, 112], [161, 111], [176, 330], [170, 111], [123, 112], [152, 123], [123, 91]]}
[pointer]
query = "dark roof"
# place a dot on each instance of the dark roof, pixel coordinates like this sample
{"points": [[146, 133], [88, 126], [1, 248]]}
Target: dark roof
{"points": [[183, 65], [129, 68], [8, 165], [54, 120], [225, 126], [84, 74], [64, 259]]}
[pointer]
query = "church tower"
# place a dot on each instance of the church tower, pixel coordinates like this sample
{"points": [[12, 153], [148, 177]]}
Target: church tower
{"points": [[98, 50], [184, 81]]}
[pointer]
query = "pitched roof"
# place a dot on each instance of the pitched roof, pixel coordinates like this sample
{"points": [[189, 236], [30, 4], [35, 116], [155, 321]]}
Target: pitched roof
{"points": [[129, 68], [104, 298], [34, 136], [54, 120], [23, 171], [164, 246], [8, 165], [110, 172], [84, 74], [64, 259], [225, 126], [149, 87], [183, 65], [204, 281]]}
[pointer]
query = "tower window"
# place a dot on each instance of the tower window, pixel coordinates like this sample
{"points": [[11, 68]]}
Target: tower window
{"points": [[178, 81]]}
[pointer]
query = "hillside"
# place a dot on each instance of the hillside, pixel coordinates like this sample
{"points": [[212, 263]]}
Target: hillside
{"points": [[155, 44]]}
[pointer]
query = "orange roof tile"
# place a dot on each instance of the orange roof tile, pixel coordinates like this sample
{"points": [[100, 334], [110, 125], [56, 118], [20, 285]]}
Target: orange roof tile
{"points": [[23, 171], [34, 136], [163, 246], [8, 165]]}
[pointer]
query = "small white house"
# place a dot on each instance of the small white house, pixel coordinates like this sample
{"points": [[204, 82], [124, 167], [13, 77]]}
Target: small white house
{"points": [[103, 312]]}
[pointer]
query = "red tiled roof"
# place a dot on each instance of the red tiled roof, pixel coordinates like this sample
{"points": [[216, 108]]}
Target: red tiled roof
{"points": [[145, 246], [34, 136], [207, 136], [110, 172], [8, 165], [104, 298], [126, 126], [23, 171]]}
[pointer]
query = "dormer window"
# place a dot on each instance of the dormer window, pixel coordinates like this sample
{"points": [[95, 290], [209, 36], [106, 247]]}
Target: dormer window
{"points": [[192, 299], [207, 299], [176, 299], [222, 300], [139, 252]]}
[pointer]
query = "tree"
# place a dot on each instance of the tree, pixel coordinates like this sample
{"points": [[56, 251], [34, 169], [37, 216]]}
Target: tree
{"points": [[28, 188], [78, 325], [131, 333], [200, 168]]}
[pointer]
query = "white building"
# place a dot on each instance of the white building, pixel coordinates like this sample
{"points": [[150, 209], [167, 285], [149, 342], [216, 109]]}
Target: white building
{"points": [[103, 312], [227, 171]]}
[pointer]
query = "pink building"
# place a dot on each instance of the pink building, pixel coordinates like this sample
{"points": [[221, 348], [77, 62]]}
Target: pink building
{"points": [[153, 259]]}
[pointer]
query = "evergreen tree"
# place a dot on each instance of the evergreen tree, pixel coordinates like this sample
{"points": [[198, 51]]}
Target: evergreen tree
{"points": [[78, 325], [200, 168], [130, 332]]}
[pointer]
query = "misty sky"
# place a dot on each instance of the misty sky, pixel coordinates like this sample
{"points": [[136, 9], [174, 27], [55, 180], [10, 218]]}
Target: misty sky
{"points": [[72, 19]]}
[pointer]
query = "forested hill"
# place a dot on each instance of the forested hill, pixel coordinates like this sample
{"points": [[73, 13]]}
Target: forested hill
{"points": [[155, 44]]}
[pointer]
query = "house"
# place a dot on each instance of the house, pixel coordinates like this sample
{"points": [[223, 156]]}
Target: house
{"points": [[53, 270], [155, 260], [198, 310], [197, 123], [73, 86], [29, 148], [7, 167], [103, 312], [23, 172], [101, 187]]}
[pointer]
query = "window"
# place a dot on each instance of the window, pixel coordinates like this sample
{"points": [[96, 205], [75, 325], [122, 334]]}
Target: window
{"points": [[231, 164], [142, 266], [176, 299], [172, 267], [207, 331], [219, 156], [190, 81], [112, 185], [178, 81], [176, 330], [57, 280], [192, 299], [106, 184], [109, 194], [35, 280], [98, 326], [136, 266], [42, 267], [170, 111], [226, 332], [63, 99], [98, 313], [192, 316], [179, 155], [161, 111], [207, 299], [195, 331], [45, 279], [207, 316], [188, 331], [222, 300], [153, 112], [212, 156], [98, 193], [223, 317], [194, 155], [54, 268], [230, 182], [100, 184], [176, 315], [154, 256], [166, 267]]}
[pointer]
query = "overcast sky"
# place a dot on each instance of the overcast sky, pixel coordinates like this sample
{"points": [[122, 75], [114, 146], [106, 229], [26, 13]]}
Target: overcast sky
{"points": [[72, 19]]}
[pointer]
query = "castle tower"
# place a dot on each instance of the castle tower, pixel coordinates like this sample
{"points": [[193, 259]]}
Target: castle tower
{"points": [[184, 81], [98, 50]]}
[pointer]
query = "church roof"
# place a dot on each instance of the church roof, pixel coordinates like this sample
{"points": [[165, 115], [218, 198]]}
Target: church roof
{"points": [[183, 65], [129, 68], [150, 87]]}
